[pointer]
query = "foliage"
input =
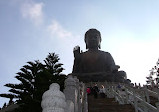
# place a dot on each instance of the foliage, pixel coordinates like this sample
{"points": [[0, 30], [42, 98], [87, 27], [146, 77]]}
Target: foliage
{"points": [[35, 78], [153, 77]]}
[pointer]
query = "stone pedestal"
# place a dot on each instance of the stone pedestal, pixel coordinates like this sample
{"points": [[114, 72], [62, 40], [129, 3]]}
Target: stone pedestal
{"points": [[94, 77], [101, 77]]}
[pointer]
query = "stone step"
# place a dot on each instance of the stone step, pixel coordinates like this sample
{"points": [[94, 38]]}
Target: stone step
{"points": [[107, 105]]}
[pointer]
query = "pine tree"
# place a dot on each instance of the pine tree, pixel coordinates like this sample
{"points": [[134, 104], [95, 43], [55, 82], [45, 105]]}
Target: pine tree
{"points": [[55, 68], [35, 78]]}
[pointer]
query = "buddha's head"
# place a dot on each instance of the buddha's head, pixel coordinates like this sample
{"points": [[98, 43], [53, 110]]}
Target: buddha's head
{"points": [[92, 39]]}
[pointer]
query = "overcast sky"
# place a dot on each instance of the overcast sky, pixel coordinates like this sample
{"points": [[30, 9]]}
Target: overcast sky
{"points": [[30, 29]]}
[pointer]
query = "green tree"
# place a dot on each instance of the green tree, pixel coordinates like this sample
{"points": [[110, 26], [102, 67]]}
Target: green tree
{"points": [[153, 77], [35, 78], [55, 68]]}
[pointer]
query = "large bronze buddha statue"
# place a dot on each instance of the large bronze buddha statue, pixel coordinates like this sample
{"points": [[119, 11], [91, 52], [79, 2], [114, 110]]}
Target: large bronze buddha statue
{"points": [[94, 64]]}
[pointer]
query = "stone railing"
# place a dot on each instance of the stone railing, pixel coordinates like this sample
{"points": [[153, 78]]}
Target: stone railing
{"points": [[138, 97], [74, 98]]}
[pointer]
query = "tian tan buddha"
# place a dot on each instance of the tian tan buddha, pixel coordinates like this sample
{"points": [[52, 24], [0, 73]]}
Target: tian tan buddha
{"points": [[95, 65]]}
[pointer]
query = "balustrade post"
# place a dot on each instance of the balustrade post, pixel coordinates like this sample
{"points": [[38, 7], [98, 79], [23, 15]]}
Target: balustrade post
{"points": [[108, 91], [157, 105], [127, 96], [78, 105], [83, 97], [69, 106], [85, 105], [135, 85], [147, 95], [135, 101], [143, 95], [139, 85], [111, 92], [71, 92], [80, 97]]}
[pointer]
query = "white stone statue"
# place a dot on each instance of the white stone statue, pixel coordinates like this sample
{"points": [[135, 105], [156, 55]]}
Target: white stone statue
{"points": [[53, 100]]}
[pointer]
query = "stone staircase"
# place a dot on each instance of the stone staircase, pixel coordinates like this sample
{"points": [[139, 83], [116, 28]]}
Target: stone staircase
{"points": [[107, 105]]}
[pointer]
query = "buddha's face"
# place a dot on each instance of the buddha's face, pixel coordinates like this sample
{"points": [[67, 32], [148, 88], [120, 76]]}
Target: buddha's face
{"points": [[93, 40]]}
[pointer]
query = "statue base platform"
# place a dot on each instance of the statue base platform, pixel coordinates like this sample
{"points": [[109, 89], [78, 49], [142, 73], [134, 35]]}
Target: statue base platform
{"points": [[94, 77]]}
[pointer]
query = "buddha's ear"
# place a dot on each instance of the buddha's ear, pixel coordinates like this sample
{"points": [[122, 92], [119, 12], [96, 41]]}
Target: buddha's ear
{"points": [[99, 46], [86, 46]]}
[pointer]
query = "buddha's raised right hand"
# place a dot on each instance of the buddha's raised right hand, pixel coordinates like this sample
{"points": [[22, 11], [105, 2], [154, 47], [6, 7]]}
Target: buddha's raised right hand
{"points": [[76, 51]]}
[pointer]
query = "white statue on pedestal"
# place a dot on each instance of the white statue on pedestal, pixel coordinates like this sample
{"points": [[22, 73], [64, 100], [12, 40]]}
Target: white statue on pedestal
{"points": [[53, 100]]}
